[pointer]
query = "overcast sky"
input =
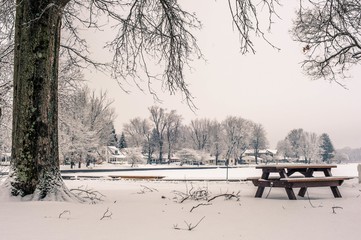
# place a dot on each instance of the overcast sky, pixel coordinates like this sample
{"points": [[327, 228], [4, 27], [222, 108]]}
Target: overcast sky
{"points": [[267, 88]]}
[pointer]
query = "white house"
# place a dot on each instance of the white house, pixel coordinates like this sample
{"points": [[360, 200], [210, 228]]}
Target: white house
{"points": [[248, 156], [114, 155]]}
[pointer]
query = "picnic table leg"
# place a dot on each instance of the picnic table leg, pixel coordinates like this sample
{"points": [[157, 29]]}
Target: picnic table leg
{"points": [[336, 192], [259, 192], [303, 190], [291, 195]]}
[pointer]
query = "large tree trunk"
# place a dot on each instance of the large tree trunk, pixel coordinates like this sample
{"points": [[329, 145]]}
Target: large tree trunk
{"points": [[35, 165]]}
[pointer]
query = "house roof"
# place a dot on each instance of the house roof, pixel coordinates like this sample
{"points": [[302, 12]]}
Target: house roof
{"points": [[116, 153]]}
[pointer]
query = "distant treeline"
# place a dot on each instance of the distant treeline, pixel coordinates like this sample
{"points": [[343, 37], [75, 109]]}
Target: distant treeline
{"points": [[351, 154]]}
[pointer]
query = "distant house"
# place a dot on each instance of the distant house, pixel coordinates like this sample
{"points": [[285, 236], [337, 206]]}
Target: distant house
{"points": [[114, 155], [264, 155]]}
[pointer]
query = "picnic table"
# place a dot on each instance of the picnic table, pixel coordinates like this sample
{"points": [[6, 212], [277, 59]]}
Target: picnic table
{"points": [[285, 178]]}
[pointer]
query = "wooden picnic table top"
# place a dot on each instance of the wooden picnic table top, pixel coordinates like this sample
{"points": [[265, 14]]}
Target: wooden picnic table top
{"points": [[296, 166]]}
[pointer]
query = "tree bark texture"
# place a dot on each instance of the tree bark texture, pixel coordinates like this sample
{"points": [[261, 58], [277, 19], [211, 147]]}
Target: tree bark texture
{"points": [[35, 166]]}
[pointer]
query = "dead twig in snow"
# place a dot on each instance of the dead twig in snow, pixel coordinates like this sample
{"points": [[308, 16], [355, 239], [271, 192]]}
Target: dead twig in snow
{"points": [[201, 204], [64, 212], [107, 214], [333, 209], [147, 189], [192, 194], [190, 226], [227, 196], [90, 194]]}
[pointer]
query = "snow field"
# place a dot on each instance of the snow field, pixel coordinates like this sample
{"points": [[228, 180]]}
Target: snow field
{"points": [[142, 210]]}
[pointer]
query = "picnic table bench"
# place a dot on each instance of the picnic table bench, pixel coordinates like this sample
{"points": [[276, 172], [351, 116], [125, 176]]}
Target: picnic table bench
{"points": [[285, 178]]}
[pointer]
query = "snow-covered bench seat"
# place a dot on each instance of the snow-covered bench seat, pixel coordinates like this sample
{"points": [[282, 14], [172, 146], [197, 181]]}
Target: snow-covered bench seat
{"points": [[300, 182]]}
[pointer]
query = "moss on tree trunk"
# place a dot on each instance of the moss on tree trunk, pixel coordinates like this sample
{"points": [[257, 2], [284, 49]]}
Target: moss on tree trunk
{"points": [[35, 165]]}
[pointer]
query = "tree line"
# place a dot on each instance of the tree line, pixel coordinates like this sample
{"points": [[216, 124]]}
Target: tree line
{"points": [[163, 133]]}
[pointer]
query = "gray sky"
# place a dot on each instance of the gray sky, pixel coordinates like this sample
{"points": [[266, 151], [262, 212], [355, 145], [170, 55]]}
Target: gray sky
{"points": [[267, 88]]}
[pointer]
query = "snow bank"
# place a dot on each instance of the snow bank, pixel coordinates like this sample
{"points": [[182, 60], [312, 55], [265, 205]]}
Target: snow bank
{"points": [[140, 210]]}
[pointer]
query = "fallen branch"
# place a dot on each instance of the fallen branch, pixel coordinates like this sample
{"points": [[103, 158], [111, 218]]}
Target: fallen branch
{"points": [[228, 196], [190, 226], [201, 204], [147, 189], [64, 212], [107, 214], [85, 193], [191, 194]]}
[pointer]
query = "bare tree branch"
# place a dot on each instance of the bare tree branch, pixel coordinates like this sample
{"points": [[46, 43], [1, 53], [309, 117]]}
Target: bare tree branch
{"points": [[201, 204], [190, 226], [246, 17], [107, 214], [331, 33]]}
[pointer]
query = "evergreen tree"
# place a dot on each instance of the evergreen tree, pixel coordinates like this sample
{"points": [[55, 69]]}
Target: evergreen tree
{"points": [[112, 138], [327, 149], [122, 142]]}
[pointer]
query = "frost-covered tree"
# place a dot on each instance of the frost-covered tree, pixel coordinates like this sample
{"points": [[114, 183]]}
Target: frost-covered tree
{"points": [[284, 149], [310, 147], [174, 122], [327, 149], [139, 133], [217, 144], [237, 136], [135, 157], [5, 92], [295, 138], [188, 156], [258, 139], [85, 124], [158, 117]]}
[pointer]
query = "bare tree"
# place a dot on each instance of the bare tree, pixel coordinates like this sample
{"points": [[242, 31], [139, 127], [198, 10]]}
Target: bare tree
{"points": [[139, 134], [159, 119], [294, 137], [246, 19], [6, 65], [310, 146], [258, 139], [284, 149], [331, 33], [237, 131], [200, 133], [86, 121], [135, 130], [216, 139], [172, 131]]}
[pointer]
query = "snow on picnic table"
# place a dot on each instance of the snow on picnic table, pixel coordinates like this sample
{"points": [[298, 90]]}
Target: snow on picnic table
{"points": [[147, 210]]}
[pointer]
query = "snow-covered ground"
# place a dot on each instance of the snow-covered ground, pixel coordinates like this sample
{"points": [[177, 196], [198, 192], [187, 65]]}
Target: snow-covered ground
{"points": [[148, 210]]}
